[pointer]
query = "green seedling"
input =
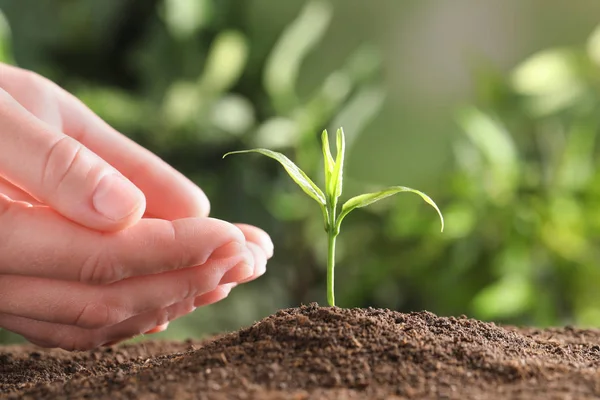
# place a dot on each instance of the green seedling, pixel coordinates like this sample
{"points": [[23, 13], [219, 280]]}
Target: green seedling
{"points": [[328, 201]]}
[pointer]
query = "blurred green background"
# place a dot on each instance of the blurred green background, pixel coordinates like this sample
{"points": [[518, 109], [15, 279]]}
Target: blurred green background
{"points": [[492, 108]]}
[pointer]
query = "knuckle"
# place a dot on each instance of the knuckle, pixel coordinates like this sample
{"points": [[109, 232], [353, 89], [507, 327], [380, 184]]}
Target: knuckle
{"points": [[183, 256], [188, 306], [62, 159], [96, 315], [183, 252], [100, 268], [190, 289]]}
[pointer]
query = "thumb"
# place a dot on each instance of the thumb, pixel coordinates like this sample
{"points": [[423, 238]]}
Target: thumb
{"points": [[62, 173]]}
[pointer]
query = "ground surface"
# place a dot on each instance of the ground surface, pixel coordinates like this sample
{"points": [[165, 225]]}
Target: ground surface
{"points": [[323, 353]]}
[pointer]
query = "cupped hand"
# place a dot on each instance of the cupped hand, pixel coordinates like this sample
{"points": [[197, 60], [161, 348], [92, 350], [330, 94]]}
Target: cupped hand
{"points": [[79, 265]]}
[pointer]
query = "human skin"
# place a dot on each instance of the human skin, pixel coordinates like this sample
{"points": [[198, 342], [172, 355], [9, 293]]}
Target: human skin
{"points": [[100, 240]]}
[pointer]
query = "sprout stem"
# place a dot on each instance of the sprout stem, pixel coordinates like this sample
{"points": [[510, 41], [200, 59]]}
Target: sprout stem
{"points": [[332, 233], [330, 266]]}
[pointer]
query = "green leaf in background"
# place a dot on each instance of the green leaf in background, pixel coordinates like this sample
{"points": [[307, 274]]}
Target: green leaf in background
{"points": [[508, 297], [359, 111], [184, 18], [550, 79], [5, 37], [298, 39], [276, 133], [546, 72], [233, 114], [298, 176], [181, 104], [364, 200], [322, 105], [225, 63], [593, 46], [492, 139], [576, 169], [497, 147]]}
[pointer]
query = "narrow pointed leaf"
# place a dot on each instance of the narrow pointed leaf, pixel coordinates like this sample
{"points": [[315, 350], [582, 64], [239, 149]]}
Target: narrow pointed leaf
{"points": [[297, 175], [335, 187], [327, 159], [364, 200]]}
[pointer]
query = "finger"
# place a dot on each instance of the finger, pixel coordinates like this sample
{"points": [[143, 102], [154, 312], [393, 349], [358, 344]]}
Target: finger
{"points": [[62, 173], [259, 242], [38, 242], [220, 293], [74, 303], [71, 338], [169, 194], [33, 92], [68, 337], [239, 273], [129, 328], [157, 320], [15, 193], [258, 236], [260, 262]]}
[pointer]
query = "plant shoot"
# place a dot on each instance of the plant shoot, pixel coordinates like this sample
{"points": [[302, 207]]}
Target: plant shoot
{"points": [[328, 200]]}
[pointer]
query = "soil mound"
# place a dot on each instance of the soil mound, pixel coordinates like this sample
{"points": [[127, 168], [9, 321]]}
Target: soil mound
{"points": [[316, 352]]}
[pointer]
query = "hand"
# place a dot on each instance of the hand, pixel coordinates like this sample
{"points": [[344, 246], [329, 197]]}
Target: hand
{"points": [[79, 266]]}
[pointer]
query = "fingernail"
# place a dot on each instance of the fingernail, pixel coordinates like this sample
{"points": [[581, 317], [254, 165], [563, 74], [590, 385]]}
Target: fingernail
{"points": [[116, 198], [238, 273], [157, 329]]}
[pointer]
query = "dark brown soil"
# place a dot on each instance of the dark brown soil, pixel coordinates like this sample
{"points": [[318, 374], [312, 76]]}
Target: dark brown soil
{"points": [[317, 352]]}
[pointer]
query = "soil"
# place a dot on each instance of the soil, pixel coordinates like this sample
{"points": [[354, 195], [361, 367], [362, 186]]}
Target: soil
{"points": [[316, 352]]}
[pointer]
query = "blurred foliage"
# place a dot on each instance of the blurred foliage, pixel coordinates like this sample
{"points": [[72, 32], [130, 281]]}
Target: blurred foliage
{"points": [[522, 204], [193, 79], [538, 210]]}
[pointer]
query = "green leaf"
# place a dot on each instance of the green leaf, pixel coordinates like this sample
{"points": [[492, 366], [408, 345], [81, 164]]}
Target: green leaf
{"points": [[329, 164], [335, 188], [299, 39], [225, 62], [298, 176], [552, 80], [364, 200], [5, 41], [593, 45], [509, 297], [184, 18]]}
